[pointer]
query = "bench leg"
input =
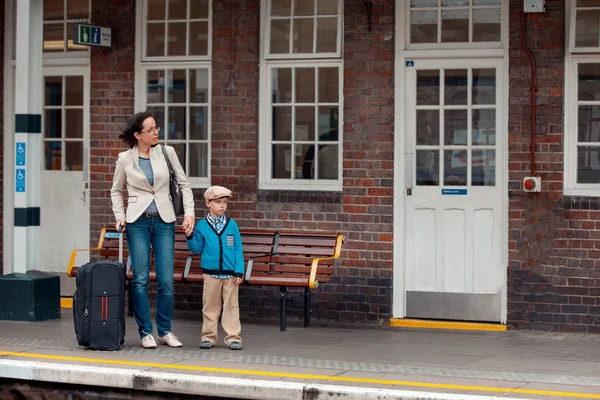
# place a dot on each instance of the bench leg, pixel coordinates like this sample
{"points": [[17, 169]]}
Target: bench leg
{"points": [[306, 307], [282, 298]]}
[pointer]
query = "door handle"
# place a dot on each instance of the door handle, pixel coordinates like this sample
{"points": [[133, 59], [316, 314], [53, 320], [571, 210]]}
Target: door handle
{"points": [[408, 172]]}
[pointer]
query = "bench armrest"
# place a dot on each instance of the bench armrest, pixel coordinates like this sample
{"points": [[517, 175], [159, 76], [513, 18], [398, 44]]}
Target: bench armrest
{"points": [[74, 252], [260, 257], [312, 282]]}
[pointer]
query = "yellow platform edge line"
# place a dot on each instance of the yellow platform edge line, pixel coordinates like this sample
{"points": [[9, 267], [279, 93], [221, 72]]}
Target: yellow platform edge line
{"points": [[66, 302], [429, 324], [468, 388]]}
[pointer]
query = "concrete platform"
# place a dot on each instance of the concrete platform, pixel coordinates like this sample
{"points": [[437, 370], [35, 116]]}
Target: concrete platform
{"points": [[357, 362]]}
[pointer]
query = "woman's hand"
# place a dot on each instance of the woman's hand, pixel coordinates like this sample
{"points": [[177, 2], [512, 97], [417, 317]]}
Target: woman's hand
{"points": [[121, 224], [188, 225]]}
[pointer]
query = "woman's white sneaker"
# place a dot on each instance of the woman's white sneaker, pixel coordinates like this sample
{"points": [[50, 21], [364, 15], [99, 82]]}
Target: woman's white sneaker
{"points": [[148, 342], [169, 340]]}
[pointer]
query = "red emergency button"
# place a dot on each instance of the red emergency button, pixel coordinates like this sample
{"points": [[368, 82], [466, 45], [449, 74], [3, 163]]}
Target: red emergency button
{"points": [[529, 184]]}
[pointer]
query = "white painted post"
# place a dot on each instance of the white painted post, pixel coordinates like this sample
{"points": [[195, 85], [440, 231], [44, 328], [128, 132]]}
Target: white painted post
{"points": [[28, 139]]}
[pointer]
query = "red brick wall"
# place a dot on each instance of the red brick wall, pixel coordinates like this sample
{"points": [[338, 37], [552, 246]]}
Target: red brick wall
{"points": [[553, 275], [2, 133]]}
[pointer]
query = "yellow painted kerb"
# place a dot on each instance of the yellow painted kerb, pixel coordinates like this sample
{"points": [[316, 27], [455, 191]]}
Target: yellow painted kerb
{"points": [[429, 324], [312, 377], [66, 302]]}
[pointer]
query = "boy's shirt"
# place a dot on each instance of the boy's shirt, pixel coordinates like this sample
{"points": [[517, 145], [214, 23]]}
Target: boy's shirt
{"points": [[220, 243]]}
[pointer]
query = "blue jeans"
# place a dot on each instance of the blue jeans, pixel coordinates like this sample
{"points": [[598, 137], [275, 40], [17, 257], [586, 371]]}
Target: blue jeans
{"points": [[140, 234]]}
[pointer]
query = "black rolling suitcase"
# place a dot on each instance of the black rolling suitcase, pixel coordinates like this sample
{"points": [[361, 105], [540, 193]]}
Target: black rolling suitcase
{"points": [[99, 303]]}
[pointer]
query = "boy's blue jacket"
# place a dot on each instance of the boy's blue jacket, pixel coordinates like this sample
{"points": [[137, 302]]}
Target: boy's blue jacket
{"points": [[221, 254]]}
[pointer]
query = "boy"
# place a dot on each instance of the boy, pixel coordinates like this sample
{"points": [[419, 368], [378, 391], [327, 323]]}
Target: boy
{"points": [[218, 239]]}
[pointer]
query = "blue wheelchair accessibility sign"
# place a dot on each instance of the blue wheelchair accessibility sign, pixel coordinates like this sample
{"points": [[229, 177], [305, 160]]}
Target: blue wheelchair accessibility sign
{"points": [[20, 180], [21, 153]]}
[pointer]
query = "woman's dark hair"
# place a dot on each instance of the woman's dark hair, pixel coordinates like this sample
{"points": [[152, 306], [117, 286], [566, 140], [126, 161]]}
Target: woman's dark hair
{"points": [[134, 124]]}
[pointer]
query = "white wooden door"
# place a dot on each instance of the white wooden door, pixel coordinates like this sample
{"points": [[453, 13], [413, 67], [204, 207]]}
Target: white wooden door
{"points": [[64, 208], [454, 190]]}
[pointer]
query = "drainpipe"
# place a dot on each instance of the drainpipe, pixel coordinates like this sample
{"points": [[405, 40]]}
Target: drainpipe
{"points": [[533, 91]]}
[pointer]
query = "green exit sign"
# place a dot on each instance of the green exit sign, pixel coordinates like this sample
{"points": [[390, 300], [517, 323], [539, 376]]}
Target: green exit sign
{"points": [[90, 35]]}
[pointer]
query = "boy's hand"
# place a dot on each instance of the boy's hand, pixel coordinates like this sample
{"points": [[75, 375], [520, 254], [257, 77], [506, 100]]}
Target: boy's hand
{"points": [[237, 281]]}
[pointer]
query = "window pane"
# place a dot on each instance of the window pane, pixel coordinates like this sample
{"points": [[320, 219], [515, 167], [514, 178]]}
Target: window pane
{"points": [[281, 8], [282, 123], [329, 85], [588, 164], [74, 124], [53, 123], [486, 24], [78, 9], [304, 7], [199, 8], [180, 151], [199, 85], [428, 167], [54, 10], [423, 3], [178, 9], [428, 87], [484, 127], [156, 87], [199, 123], [428, 127], [53, 91], [74, 87], [156, 40], [280, 37], [52, 156], [305, 124], [176, 40], [282, 161], [423, 26], [487, 2], [198, 38], [198, 164], [328, 124], [455, 25], [328, 161], [74, 156], [303, 35], [455, 82], [326, 35], [587, 28], [455, 127], [454, 3], [176, 123], [589, 82], [305, 85], [484, 86], [54, 37], [588, 124], [455, 167], [327, 7], [304, 158], [483, 168], [177, 86], [159, 116], [282, 85], [70, 45], [156, 10]]}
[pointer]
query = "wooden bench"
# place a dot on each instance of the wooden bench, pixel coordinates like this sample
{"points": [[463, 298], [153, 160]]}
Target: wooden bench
{"points": [[272, 258]]}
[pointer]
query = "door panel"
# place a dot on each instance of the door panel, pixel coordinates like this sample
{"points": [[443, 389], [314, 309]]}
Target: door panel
{"points": [[64, 208], [454, 210]]}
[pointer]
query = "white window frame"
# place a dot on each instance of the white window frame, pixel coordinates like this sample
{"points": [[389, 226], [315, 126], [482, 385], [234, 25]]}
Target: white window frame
{"points": [[316, 60], [65, 55], [501, 44], [142, 44], [152, 63], [570, 30]]}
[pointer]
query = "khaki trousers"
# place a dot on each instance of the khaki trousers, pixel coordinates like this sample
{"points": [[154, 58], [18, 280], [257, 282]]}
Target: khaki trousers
{"points": [[217, 293]]}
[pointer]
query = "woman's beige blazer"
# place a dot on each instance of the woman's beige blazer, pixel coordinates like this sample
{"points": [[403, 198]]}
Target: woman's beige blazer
{"points": [[129, 174]]}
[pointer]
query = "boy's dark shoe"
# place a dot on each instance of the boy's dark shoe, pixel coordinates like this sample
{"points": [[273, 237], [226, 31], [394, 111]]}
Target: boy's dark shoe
{"points": [[206, 344], [235, 345]]}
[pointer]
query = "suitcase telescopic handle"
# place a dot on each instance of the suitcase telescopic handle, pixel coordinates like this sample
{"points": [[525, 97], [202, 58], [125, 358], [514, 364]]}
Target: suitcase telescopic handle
{"points": [[120, 230]]}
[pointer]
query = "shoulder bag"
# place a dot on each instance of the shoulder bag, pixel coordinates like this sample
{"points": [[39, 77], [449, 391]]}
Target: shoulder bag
{"points": [[174, 189]]}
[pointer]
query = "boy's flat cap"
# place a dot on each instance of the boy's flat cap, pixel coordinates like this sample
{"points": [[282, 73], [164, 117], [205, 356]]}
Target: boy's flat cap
{"points": [[216, 192]]}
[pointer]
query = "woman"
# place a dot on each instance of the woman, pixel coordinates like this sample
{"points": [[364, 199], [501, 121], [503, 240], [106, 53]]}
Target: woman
{"points": [[150, 219]]}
